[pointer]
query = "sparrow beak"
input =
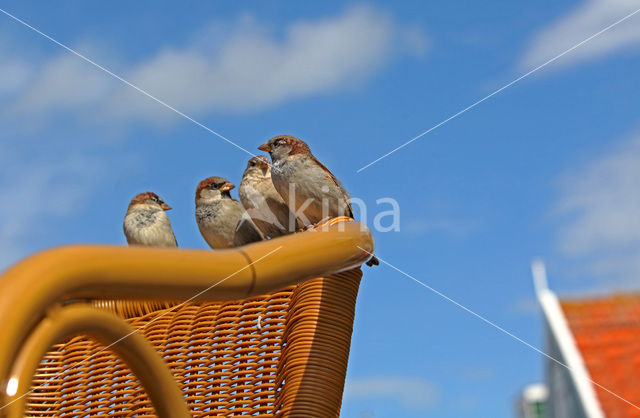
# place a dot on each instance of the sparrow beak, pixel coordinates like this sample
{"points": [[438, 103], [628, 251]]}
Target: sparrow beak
{"points": [[226, 187], [265, 148], [164, 206]]}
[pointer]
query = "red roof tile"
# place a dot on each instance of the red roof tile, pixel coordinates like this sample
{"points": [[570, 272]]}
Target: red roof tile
{"points": [[607, 332]]}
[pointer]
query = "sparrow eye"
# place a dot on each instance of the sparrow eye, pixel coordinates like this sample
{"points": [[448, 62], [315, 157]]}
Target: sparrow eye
{"points": [[252, 164]]}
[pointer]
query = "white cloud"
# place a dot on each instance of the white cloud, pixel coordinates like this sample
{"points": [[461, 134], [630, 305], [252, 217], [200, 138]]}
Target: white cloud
{"points": [[14, 75], [228, 68], [478, 374], [525, 306], [580, 23], [459, 228], [64, 82], [468, 403], [409, 392], [601, 202], [39, 194]]}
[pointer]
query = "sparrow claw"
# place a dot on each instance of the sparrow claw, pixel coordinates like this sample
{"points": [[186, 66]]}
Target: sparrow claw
{"points": [[373, 261], [322, 223], [315, 226]]}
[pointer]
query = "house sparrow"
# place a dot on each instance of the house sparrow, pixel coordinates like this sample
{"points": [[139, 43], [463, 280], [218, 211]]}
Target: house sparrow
{"points": [[262, 202], [222, 220], [312, 192], [146, 222]]}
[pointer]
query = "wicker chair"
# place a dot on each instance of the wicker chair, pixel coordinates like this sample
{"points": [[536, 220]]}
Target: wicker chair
{"points": [[267, 334]]}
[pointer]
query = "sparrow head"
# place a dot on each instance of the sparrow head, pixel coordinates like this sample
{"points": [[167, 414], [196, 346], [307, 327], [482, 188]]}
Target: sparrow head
{"points": [[214, 188], [257, 166], [148, 200], [281, 146]]}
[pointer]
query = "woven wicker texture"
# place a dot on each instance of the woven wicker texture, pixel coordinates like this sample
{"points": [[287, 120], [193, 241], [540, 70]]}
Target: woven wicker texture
{"points": [[282, 354]]}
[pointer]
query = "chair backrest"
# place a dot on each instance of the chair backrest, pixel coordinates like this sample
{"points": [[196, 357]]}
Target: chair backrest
{"points": [[280, 354]]}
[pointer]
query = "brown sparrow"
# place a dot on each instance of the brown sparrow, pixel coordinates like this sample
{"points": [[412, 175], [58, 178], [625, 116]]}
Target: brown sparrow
{"points": [[222, 220], [262, 202], [146, 222], [312, 192]]}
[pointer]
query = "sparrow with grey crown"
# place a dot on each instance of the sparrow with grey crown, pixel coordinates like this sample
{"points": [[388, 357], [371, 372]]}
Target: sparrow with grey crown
{"points": [[305, 183], [146, 222], [222, 220], [263, 202]]}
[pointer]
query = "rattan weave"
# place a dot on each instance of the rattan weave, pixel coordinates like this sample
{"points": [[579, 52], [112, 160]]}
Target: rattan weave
{"points": [[282, 354]]}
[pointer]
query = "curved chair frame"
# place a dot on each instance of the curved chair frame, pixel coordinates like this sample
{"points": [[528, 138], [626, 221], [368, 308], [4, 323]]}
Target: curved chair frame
{"points": [[34, 292], [114, 333]]}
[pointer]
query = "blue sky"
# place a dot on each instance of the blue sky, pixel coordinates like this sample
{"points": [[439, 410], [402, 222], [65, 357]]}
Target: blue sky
{"points": [[549, 167]]}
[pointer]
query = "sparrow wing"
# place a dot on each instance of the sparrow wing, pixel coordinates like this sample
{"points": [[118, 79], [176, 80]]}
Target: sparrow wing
{"points": [[247, 231], [174, 238], [337, 182]]}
